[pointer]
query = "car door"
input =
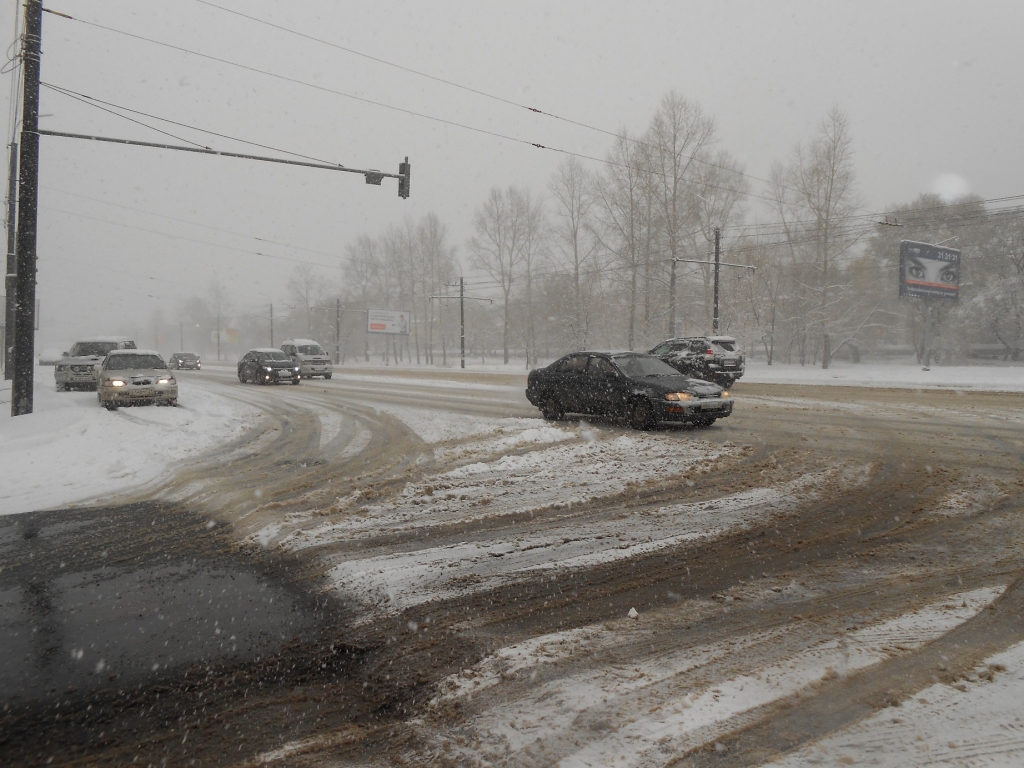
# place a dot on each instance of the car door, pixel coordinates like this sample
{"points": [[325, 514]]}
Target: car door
{"points": [[569, 382], [605, 386], [249, 366]]}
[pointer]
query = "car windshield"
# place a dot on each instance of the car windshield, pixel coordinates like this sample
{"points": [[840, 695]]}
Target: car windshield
{"points": [[644, 365], [311, 349], [274, 355], [134, 362], [186, 356], [92, 348], [726, 346]]}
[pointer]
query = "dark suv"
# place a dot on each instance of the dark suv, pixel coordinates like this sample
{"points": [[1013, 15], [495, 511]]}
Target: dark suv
{"points": [[712, 358]]}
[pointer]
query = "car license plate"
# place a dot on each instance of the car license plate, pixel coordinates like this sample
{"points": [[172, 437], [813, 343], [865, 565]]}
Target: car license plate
{"points": [[144, 392], [710, 406], [285, 374]]}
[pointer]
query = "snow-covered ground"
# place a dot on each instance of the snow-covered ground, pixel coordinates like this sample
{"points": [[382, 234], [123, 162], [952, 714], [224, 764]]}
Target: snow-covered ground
{"points": [[70, 449], [680, 712], [995, 378]]}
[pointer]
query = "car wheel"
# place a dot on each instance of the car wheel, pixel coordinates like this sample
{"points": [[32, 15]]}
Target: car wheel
{"points": [[109, 405], [296, 381], [705, 422], [327, 375], [551, 409], [641, 415]]}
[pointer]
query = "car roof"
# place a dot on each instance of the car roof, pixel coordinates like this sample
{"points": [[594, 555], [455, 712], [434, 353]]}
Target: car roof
{"points": [[297, 342], [264, 349], [133, 352], [185, 353], [722, 338]]}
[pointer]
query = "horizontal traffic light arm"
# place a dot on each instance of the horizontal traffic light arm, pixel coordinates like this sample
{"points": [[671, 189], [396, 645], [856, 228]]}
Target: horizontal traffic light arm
{"points": [[372, 176]]}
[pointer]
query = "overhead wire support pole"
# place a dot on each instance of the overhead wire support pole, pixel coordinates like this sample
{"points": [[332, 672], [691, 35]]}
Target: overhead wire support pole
{"points": [[10, 278], [462, 297], [718, 264], [28, 203], [718, 270]]}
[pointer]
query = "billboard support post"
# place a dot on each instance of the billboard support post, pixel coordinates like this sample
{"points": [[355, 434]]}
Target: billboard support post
{"points": [[926, 357]]}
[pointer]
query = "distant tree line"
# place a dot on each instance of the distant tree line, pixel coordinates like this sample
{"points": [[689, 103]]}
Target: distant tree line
{"points": [[593, 260]]}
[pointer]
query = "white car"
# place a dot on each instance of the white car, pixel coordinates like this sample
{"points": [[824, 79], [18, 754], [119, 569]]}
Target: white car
{"points": [[135, 377]]}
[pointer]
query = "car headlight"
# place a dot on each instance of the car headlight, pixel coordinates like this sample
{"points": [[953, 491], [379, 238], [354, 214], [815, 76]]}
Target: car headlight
{"points": [[116, 383], [268, 369], [676, 396], [169, 380], [725, 393], [296, 369]]}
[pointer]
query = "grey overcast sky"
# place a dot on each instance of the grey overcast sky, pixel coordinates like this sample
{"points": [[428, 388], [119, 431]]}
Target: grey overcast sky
{"points": [[932, 89]]}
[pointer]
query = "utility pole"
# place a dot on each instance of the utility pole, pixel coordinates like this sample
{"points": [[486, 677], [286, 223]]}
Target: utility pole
{"points": [[337, 332], [10, 278], [462, 319], [271, 326], [28, 199], [672, 301], [462, 313], [181, 335], [218, 337], [718, 265]]}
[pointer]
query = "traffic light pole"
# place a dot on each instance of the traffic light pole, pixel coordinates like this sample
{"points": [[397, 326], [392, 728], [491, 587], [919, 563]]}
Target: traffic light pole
{"points": [[28, 201]]}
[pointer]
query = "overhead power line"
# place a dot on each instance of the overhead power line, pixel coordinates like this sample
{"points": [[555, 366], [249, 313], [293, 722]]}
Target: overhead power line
{"points": [[463, 87], [373, 102], [92, 101], [192, 223]]}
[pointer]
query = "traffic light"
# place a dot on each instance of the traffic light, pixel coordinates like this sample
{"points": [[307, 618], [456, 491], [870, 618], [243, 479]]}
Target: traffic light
{"points": [[403, 183]]}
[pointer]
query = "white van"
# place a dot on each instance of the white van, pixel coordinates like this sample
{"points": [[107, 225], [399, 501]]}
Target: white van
{"points": [[309, 356]]}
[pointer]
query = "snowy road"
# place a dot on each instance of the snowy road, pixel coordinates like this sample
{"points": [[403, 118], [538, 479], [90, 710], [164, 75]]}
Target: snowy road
{"points": [[815, 553]]}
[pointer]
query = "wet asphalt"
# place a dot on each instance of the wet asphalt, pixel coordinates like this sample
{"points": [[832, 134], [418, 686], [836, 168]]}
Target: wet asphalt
{"points": [[122, 597]]}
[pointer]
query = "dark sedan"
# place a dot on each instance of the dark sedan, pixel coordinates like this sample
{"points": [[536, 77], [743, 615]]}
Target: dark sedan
{"points": [[185, 361], [267, 366], [643, 389]]}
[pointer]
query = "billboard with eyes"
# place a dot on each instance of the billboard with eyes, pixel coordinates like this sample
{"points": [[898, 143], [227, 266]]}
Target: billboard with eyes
{"points": [[929, 271]]}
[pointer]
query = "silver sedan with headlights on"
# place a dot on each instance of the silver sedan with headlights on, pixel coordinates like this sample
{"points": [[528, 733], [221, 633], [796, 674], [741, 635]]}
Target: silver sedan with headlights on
{"points": [[135, 377]]}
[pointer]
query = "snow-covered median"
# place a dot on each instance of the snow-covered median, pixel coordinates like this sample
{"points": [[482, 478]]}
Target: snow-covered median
{"points": [[70, 449]]}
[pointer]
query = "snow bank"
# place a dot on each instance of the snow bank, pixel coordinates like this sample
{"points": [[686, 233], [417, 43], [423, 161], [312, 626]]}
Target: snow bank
{"points": [[960, 377], [70, 449]]}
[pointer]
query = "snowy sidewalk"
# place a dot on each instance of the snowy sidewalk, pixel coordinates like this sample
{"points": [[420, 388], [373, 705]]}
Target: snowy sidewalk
{"points": [[70, 449]]}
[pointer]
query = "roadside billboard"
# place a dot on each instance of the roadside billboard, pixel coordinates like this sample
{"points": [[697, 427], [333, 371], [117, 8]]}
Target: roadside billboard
{"points": [[929, 271], [394, 321]]}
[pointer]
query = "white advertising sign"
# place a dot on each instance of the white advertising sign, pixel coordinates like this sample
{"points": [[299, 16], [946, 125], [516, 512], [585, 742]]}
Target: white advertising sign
{"points": [[387, 321]]}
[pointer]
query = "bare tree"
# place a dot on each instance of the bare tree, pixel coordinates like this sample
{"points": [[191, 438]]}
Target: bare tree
{"points": [[306, 289], [572, 234], [623, 206], [496, 247], [679, 131], [814, 198]]}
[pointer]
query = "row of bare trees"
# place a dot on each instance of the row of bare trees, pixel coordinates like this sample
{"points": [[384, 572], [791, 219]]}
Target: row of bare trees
{"points": [[619, 257]]}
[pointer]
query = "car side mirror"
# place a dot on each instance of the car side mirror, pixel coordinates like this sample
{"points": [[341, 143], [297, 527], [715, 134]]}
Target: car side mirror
{"points": [[65, 354]]}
